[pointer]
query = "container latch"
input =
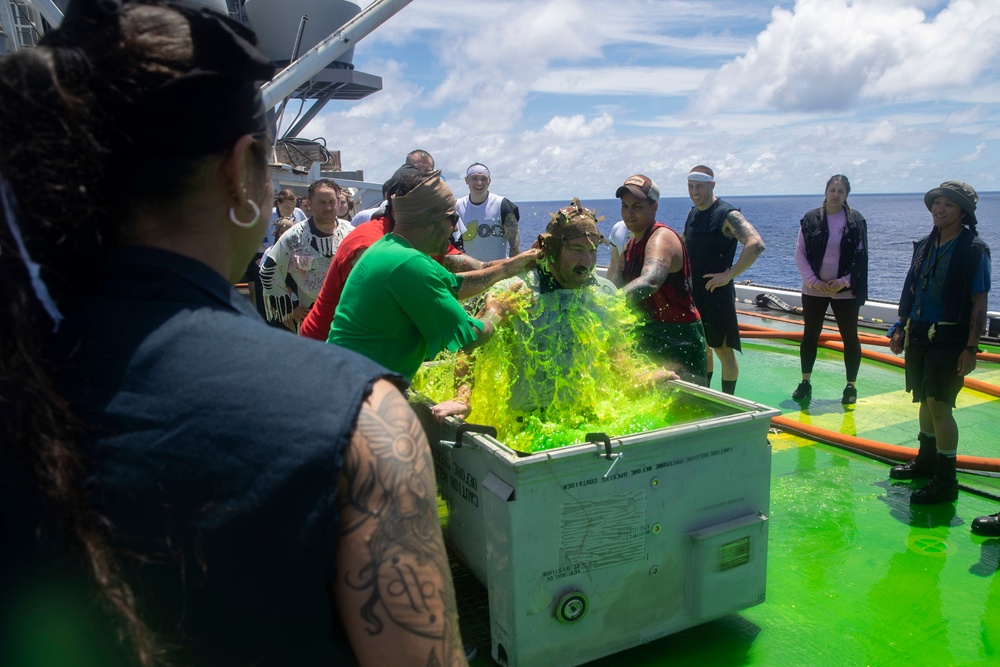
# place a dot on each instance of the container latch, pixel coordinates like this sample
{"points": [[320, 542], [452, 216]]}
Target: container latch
{"points": [[599, 437]]}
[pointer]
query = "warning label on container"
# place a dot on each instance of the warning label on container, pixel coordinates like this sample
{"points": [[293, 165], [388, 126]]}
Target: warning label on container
{"points": [[464, 484], [601, 533]]}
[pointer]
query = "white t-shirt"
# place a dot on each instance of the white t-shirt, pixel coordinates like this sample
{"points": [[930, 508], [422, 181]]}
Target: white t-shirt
{"points": [[367, 214], [619, 236]]}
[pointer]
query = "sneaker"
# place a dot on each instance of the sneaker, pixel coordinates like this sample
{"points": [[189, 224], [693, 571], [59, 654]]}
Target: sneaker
{"points": [[850, 395], [803, 391]]}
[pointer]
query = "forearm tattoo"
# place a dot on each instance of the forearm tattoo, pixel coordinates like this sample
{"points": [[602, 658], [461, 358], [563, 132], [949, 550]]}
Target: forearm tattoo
{"points": [[391, 490], [512, 233], [461, 263], [655, 271], [475, 283]]}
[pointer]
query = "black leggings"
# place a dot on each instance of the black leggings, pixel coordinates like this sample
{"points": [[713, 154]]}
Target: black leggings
{"points": [[846, 313]]}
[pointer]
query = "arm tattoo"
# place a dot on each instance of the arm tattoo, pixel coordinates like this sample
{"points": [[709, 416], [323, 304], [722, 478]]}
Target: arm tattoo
{"points": [[474, 283], [460, 263], [655, 271], [391, 485], [744, 232], [513, 234]]}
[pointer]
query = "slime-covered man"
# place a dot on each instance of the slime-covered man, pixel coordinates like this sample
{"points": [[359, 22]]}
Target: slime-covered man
{"points": [[565, 340]]}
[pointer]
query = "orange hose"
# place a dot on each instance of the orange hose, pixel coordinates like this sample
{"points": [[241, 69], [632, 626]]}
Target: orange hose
{"points": [[757, 331], [797, 336], [779, 319], [874, 446], [829, 341]]}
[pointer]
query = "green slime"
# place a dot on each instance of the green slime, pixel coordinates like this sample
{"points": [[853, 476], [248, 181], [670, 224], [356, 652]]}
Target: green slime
{"points": [[570, 357]]}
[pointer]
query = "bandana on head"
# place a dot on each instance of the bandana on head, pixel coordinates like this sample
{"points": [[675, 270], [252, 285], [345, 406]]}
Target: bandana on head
{"points": [[477, 169], [700, 177], [427, 203], [570, 222]]}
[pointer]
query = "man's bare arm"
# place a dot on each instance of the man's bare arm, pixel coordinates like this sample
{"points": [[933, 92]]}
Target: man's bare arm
{"points": [[736, 226], [461, 404], [462, 263], [512, 233], [475, 282], [615, 268], [663, 251], [394, 589]]}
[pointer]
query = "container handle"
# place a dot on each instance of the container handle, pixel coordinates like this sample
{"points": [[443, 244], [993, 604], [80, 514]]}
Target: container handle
{"points": [[467, 427], [598, 438]]}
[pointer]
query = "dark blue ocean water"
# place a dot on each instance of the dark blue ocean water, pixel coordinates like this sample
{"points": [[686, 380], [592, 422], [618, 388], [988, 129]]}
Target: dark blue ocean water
{"points": [[894, 222]]}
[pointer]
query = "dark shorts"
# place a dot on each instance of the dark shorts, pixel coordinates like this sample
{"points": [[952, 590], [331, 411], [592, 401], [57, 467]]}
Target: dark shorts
{"points": [[718, 315], [678, 346], [932, 365]]}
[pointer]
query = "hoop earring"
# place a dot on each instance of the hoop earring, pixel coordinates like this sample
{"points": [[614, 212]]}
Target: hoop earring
{"points": [[253, 221]]}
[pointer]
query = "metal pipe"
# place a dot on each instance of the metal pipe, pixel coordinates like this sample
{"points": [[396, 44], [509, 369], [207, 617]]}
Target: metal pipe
{"points": [[295, 55], [300, 125], [329, 49]]}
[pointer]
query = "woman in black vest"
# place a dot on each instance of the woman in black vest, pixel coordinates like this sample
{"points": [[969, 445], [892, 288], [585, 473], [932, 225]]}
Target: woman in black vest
{"points": [[139, 464], [832, 256]]}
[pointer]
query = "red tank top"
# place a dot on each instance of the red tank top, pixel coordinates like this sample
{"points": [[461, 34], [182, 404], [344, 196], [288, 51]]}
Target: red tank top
{"points": [[673, 301]]}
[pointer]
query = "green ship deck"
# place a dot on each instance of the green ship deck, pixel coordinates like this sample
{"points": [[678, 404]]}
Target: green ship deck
{"points": [[856, 575]]}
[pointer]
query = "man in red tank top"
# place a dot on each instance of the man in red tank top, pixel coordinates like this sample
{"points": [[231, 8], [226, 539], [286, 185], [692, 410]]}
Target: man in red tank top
{"points": [[656, 275]]}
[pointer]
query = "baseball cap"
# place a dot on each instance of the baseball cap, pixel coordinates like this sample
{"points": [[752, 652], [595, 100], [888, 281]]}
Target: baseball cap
{"points": [[640, 186]]}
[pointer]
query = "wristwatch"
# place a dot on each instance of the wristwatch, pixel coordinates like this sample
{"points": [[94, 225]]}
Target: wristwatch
{"points": [[973, 349]]}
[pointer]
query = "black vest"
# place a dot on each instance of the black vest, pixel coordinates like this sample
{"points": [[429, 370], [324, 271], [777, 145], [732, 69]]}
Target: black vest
{"points": [[853, 248], [968, 252], [710, 250]]}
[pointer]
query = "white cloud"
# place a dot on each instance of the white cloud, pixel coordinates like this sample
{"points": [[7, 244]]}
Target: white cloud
{"points": [[568, 128], [570, 97], [979, 152], [828, 54], [659, 81]]}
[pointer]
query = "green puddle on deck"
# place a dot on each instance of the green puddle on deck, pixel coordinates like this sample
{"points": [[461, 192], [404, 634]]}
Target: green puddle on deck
{"points": [[855, 575]]}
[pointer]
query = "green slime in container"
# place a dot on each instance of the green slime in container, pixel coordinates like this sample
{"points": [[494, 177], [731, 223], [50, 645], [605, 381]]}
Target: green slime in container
{"points": [[565, 364]]}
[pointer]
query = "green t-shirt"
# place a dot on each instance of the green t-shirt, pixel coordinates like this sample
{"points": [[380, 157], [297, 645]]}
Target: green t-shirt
{"points": [[399, 308]]}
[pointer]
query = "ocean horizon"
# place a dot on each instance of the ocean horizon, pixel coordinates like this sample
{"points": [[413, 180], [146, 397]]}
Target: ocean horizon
{"points": [[895, 221]]}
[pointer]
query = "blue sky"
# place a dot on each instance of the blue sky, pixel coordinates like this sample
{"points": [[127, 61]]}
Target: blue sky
{"points": [[564, 98]]}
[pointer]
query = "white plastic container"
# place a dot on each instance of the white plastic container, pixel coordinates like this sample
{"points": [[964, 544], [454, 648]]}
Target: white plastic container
{"points": [[590, 549]]}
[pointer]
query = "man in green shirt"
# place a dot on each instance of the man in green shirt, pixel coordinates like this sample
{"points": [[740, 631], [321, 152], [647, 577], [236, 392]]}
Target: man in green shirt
{"points": [[399, 306]]}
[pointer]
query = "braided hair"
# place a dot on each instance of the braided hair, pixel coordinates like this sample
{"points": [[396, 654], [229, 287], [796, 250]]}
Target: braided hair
{"points": [[71, 141]]}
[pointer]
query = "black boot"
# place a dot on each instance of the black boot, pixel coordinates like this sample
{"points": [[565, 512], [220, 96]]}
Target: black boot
{"points": [[943, 488], [988, 525], [921, 465]]}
